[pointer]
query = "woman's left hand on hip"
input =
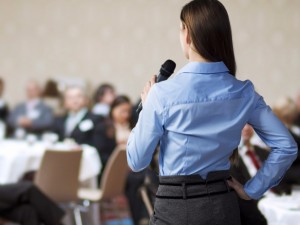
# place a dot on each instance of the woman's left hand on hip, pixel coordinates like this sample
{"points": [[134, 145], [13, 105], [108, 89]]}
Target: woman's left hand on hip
{"points": [[239, 189]]}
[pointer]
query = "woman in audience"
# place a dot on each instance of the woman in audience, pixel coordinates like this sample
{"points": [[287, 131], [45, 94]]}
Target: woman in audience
{"points": [[104, 97], [120, 113], [115, 130]]}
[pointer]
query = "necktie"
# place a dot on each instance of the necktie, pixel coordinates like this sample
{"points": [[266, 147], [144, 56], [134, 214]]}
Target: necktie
{"points": [[253, 158]]}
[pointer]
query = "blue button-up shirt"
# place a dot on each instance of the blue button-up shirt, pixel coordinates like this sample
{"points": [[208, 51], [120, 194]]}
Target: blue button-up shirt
{"points": [[197, 117]]}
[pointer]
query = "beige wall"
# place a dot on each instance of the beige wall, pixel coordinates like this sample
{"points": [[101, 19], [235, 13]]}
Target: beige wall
{"points": [[126, 41]]}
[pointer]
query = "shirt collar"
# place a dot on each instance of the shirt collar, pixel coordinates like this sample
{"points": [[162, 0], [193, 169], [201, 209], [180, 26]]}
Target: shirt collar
{"points": [[33, 102], [204, 68], [80, 114]]}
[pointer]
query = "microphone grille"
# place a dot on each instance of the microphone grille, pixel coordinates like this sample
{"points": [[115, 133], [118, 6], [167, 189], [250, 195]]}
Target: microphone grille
{"points": [[168, 68]]}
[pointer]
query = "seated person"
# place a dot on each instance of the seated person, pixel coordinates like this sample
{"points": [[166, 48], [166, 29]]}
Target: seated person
{"points": [[25, 204], [32, 116], [115, 130], [79, 123]]}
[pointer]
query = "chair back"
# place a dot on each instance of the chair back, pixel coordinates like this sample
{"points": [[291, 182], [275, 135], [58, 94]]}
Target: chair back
{"points": [[58, 175], [147, 201], [114, 175]]}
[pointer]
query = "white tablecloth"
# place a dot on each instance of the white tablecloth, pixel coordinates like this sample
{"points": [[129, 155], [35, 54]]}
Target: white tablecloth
{"points": [[19, 157], [284, 210]]}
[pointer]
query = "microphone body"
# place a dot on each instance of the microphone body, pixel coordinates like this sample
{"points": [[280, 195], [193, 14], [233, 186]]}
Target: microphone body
{"points": [[166, 70]]}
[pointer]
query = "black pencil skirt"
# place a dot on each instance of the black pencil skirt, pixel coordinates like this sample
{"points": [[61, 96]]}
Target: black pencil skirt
{"points": [[191, 200]]}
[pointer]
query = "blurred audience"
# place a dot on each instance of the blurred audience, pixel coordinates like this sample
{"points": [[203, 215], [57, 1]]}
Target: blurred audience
{"points": [[3, 104], [32, 116], [108, 126], [25, 204], [104, 96]]}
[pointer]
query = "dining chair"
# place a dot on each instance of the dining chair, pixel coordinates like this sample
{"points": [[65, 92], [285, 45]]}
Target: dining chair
{"points": [[146, 199], [112, 182], [58, 178]]}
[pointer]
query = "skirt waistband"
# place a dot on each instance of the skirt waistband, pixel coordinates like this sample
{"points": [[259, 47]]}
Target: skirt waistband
{"points": [[210, 178], [193, 186]]}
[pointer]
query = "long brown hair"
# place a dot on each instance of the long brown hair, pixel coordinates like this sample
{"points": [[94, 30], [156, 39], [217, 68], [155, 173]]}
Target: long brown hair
{"points": [[119, 100], [208, 25]]}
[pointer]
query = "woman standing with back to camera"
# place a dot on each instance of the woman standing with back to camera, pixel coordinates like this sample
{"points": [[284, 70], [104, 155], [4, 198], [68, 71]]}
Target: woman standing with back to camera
{"points": [[197, 117]]}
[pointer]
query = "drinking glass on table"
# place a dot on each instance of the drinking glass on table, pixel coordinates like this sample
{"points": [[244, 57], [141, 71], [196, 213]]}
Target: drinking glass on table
{"points": [[50, 138]]}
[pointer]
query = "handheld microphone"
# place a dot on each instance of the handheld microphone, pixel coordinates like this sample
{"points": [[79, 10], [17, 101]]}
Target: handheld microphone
{"points": [[165, 72]]}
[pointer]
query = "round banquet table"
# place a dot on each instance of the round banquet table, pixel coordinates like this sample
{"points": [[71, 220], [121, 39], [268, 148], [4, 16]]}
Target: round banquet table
{"points": [[18, 157], [282, 210]]}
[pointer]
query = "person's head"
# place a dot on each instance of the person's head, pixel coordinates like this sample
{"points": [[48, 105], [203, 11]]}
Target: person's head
{"points": [[33, 90], [121, 109], [105, 94], [75, 99], [51, 89], [205, 31], [1, 87], [286, 110], [247, 133]]}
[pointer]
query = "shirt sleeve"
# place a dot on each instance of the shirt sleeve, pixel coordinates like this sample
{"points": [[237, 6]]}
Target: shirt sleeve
{"points": [[146, 134], [284, 150]]}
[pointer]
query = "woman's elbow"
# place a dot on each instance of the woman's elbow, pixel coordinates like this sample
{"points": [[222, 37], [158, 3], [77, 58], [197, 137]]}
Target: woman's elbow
{"points": [[293, 149], [135, 164]]}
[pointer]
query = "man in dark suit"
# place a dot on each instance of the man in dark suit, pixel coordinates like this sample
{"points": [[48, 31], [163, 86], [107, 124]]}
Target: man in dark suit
{"points": [[251, 158], [24, 203], [80, 124], [32, 116]]}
